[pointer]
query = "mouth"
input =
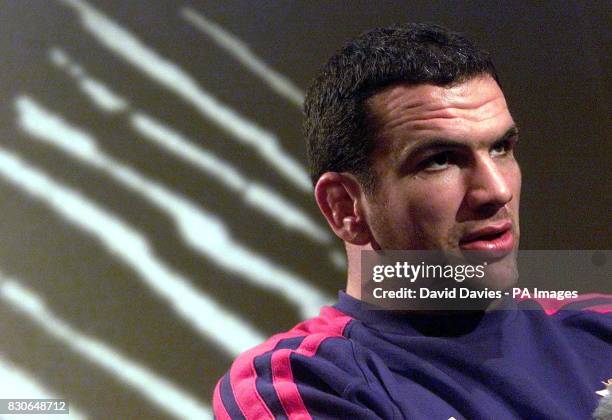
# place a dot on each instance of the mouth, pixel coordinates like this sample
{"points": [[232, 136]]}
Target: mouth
{"points": [[495, 241]]}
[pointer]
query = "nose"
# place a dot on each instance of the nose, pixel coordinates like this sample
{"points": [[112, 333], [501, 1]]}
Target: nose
{"points": [[488, 187]]}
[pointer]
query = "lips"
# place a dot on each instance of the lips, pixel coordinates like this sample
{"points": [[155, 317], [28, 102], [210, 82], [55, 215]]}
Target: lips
{"points": [[496, 240]]}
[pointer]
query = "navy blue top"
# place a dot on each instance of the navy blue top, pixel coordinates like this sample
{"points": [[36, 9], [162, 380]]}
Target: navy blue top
{"points": [[525, 361]]}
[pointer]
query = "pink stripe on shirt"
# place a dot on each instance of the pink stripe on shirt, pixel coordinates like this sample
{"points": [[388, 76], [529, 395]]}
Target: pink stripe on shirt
{"points": [[329, 323], [552, 306], [218, 407]]}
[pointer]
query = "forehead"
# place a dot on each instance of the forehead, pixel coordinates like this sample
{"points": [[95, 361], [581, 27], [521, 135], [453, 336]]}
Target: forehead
{"points": [[472, 111]]}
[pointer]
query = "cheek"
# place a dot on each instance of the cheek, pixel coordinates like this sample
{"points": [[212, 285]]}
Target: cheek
{"points": [[518, 183], [514, 180], [435, 202]]}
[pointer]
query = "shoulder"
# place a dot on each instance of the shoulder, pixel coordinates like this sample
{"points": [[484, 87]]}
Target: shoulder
{"points": [[587, 317], [270, 379], [590, 303]]}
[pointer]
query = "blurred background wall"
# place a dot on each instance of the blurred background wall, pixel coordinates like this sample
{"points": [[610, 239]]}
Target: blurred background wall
{"points": [[156, 216]]}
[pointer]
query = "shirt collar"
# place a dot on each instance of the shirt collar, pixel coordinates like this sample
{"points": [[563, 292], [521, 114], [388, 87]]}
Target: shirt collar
{"points": [[448, 324]]}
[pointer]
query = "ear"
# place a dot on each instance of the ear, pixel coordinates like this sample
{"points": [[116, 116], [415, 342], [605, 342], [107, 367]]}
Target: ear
{"points": [[338, 196]]}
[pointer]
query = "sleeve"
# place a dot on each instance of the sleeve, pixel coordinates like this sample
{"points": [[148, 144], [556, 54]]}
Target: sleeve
{"points": [[312, 377], [590, 302]]}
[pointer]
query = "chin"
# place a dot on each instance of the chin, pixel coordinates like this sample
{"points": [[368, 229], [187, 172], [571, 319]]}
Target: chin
{"points": [[501, 274]]}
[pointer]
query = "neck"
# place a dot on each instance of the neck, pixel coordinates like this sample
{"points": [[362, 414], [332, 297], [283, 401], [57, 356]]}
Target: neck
{"points": [[353, 282], [355, 286]]}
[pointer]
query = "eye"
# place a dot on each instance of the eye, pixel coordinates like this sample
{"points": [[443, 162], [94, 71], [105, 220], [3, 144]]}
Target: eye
{"points": [[437, 162], [501, 148]]}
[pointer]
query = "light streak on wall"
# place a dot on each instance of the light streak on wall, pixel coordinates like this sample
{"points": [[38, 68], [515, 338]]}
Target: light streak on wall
{"points": [[123, 43], [204, 232], [99, 93], [255, 194], [338, 259], [132, 248], [15, 383], [103, 96], [240, 51], [156, 389]]}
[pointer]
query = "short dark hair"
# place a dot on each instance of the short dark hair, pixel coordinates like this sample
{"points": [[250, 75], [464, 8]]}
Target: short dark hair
{"points": [[336, 119]]}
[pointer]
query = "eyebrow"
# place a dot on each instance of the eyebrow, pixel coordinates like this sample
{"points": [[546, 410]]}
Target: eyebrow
{"points": [[440, 143]]}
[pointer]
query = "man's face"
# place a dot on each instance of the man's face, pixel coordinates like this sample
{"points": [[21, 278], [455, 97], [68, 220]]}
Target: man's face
{"points": [[447, 178]]}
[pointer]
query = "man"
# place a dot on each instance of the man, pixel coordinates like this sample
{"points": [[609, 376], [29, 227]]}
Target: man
{"points": [[411, 147]]}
